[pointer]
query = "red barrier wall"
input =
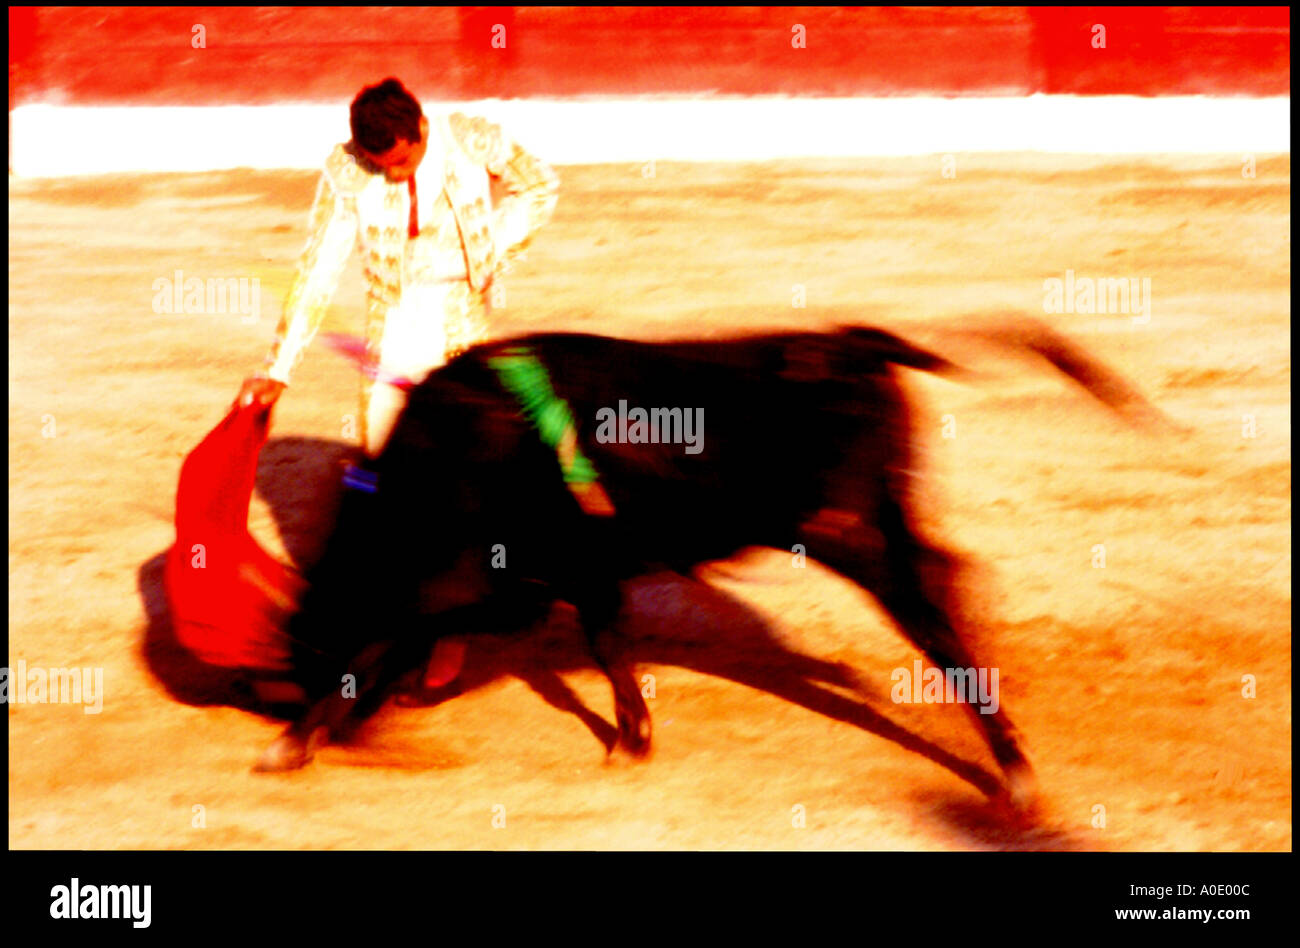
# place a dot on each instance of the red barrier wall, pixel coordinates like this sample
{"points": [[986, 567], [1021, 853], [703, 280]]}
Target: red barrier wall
{"points": [[263, 55]]}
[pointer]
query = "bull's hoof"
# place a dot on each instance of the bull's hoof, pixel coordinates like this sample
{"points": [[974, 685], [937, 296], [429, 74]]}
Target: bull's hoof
{"points": [[289, 752], [1020, 791], [286, 752], [634, 736]]}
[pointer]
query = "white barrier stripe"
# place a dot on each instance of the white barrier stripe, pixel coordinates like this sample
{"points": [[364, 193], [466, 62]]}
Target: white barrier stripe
{"points": [[49, 140]]}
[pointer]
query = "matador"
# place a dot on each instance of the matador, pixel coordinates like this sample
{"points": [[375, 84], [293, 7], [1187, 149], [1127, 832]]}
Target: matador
{"points": [[414, 196]]}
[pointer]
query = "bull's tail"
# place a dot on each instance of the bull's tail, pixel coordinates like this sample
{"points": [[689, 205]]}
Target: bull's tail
{"points": [[1019, 334]]}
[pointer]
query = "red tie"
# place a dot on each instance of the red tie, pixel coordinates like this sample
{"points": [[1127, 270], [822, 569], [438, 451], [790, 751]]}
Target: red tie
{"points": [[413, 229]]}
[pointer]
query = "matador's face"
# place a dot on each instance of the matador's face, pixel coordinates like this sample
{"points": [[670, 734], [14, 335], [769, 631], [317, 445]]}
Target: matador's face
{"points": [[400, 161]]}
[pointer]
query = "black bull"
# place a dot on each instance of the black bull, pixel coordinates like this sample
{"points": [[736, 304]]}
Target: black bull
{"points": [[807, 439]]}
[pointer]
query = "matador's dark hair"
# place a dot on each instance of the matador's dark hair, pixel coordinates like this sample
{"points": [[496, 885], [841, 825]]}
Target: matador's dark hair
{"points": [[383, 113]]}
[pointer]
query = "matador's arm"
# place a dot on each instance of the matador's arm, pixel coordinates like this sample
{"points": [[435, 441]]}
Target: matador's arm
{"points": [[333, 234], [531, 186]]}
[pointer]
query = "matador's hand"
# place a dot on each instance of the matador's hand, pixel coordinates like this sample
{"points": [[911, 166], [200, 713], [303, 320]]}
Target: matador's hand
{"points": [[260, 390]]}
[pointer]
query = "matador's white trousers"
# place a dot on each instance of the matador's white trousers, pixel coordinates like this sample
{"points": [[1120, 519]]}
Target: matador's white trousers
{"points": [[413, 345]]}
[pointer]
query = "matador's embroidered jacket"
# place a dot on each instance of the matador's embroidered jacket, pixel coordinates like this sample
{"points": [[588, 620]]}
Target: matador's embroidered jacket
{"points": [[357, 206]]}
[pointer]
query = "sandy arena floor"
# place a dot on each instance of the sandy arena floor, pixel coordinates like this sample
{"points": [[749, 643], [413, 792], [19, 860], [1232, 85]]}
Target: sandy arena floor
{"points": [[1127, 681]]}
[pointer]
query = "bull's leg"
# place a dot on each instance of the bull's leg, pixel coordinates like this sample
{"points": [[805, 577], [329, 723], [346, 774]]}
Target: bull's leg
{"points": [[380, 664], [598, 605], [446, 663], [375, 667], [888, 564]]}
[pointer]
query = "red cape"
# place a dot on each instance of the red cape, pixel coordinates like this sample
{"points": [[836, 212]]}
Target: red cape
{"points": [[229, 598]]}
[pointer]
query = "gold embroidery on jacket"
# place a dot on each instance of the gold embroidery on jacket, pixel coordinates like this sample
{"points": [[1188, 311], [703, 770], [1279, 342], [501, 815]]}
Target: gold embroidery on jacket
{"points": [[356, 207]]}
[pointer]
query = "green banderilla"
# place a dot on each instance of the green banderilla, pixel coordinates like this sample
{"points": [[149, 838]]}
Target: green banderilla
{"points": [[523, 374]]}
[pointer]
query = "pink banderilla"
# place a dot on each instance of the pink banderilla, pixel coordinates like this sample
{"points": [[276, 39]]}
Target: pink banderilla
{"points": [[354, 349]]}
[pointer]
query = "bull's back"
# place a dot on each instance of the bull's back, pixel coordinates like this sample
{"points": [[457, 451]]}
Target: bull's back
{"points": [[751, 435]]}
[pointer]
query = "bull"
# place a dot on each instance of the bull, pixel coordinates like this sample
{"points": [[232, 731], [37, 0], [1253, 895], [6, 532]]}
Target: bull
{"points": [[807, 439]]}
